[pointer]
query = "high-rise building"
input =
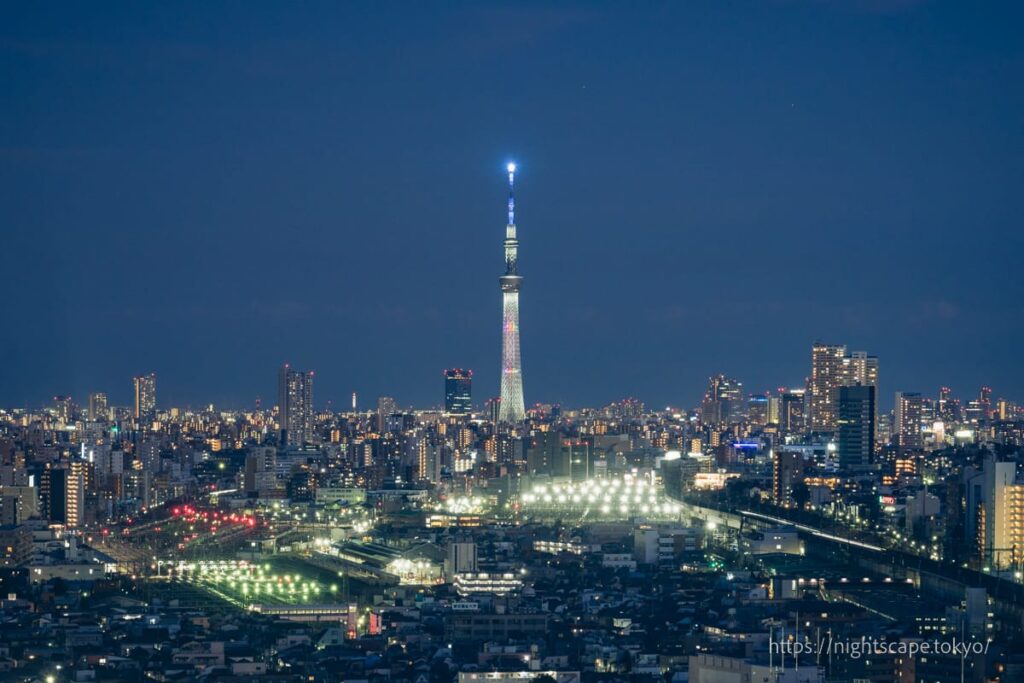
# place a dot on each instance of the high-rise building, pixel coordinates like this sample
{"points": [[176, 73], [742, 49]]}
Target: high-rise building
{"points": [[62, 494], [145, 397], [98, 407], [295, 406], [948, 407], [75, 493], [723, 401], [860, 368], [513, 407], [907, 421], [774, 410], [985, 401], [431, 460], [995, 514], [974, 412], [52, 484], [792, 411], [826, 378], [856, 425], [492, 408], [944, 404], [458, 391], [63, 408], [758, 413], [832, 367], [385, 406], [787, 469]]}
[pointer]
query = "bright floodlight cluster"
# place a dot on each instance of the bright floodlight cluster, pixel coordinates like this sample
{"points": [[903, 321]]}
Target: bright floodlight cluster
{"points": [[465, 505], [603, 498], [241, 581], [414, 572]]}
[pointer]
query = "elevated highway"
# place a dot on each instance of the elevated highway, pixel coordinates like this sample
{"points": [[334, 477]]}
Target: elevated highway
{"points": [[943, 580]]}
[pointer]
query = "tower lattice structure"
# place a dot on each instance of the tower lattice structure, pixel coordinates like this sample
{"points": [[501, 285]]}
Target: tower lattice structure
{"points": [[512, 407]]}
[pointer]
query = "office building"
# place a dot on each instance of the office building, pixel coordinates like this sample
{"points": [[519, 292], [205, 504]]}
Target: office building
{"points": [[458, 391], [758, 410], [792, 411], [856, 426], [723, 401], [985, 402]]}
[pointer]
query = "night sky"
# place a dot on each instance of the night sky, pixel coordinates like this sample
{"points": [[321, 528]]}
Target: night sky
{"points": [[208, 190]]}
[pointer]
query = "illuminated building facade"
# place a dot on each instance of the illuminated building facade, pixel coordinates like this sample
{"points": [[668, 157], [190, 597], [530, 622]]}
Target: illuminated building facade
{"points": [[145, 397], [792, 413], [483, 583], [74, 493], [860, 368], [723, 401], [63, 408], [995, 514], [295, 406], [458, 391], [758, 410], [826, 378], [831, 368], [787, 469], [98, 407], [385, 406], [907, 427], [62, 493]]}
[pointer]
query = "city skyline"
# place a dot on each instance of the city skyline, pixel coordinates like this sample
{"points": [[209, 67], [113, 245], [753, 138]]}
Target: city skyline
{"points": [[740, 398], [759, 417], [681, 223]]}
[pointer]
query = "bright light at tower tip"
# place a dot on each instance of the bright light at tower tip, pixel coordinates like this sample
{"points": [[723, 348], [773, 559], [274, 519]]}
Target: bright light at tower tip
{"points": [[511, 167]]}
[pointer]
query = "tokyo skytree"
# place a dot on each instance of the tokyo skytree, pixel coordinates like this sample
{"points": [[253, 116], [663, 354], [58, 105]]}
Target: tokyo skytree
{"points": [[512, 407]]}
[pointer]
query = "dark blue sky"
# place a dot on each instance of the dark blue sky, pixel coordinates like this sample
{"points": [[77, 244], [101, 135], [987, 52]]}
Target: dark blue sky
{"points": [[210, 189]]}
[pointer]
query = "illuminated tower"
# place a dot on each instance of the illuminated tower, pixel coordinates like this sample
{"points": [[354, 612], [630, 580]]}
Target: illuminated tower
{"points": [[512, 407]]}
